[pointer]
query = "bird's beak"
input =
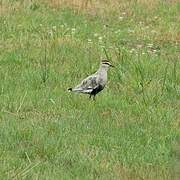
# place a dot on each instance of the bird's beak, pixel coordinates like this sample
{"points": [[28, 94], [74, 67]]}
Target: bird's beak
{"points": [[111, 65]]}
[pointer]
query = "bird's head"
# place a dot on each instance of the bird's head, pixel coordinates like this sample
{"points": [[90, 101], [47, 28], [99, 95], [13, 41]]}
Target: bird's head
{"points": [[106, 64]]}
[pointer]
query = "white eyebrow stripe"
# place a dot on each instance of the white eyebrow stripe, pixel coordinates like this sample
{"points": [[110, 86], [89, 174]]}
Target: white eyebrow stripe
{"points": [[106, 63]]}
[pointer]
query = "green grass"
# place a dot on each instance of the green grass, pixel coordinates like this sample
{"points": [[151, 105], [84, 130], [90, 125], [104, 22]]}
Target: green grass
{"points": [[130, 132]]}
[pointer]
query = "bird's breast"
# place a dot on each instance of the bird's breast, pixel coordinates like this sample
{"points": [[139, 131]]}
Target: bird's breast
{"points": [[103, 80]]}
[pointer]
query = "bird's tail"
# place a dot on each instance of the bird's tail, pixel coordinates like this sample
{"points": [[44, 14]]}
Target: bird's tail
{"points": [[69, 89], [79, 90], [75, 90]]}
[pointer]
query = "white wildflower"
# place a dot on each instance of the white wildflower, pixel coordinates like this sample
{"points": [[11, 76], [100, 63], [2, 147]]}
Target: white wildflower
{"points": [[62, 25], [150, 45], [89, 41], [121, 18], [54, 28], [100, 39], [132, 50], [117, 31], [95, 34], [130, 31], [73, 31]]}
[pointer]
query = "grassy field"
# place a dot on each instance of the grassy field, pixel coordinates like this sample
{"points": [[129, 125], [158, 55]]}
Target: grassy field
{"points": [[132, 129]]}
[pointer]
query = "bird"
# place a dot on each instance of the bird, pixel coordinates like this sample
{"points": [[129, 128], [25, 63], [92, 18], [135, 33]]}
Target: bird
{"points": [[94, 83]]}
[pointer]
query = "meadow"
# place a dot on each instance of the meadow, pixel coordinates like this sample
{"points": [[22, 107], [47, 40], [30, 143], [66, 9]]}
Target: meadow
{"points": [[131, 131]]}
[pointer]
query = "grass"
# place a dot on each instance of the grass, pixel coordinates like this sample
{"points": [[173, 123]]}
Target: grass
{"points": [[130, 132]]}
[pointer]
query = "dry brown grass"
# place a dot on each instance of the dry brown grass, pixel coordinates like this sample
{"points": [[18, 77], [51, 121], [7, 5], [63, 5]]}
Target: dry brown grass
{"points": [[4, 9], [90, 6], [7, 7], [99, 6], [104, 7], [104, 4], [169, 37], [153, 173]]}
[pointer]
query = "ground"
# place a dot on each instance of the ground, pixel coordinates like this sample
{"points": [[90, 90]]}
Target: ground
{"points": [[132, 129]]}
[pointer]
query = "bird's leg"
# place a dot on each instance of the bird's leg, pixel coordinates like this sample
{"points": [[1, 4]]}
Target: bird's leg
{"points": [[94, 97], [90, 96]]}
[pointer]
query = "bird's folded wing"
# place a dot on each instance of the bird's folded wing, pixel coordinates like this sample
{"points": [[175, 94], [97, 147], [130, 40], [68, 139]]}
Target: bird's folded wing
{"points": [[87, 85], [90, 82]]}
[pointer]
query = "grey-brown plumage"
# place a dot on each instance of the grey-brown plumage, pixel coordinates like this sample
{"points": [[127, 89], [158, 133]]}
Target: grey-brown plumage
{"points": [[94, 83]]}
